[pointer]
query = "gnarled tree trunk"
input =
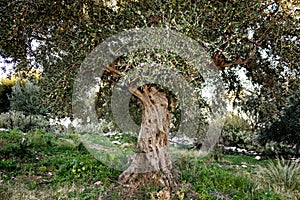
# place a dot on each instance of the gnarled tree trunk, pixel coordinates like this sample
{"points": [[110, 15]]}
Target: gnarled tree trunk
{"points": [[152, 163]]}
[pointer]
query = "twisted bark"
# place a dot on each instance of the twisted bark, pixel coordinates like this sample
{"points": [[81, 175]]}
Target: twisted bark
{"points": [[152, 163]]}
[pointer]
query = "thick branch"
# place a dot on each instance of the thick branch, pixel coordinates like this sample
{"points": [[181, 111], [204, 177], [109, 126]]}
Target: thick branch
{"points": [[136, 92], [133, 89], [220, 60], [114, 71]]}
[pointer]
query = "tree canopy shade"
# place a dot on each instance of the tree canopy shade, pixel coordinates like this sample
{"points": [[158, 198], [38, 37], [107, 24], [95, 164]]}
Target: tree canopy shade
{"points": [[258, 37]]}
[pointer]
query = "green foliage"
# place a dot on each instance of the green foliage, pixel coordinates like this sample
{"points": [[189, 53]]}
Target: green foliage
{"points": [[241, 139], [283, 177], [18, 120], [282, 149], [236, 123], [281, 136], [237, 132], [223, 28], [275, 112], [6, 85], [26, 109], [285, 131], [26, 98]]}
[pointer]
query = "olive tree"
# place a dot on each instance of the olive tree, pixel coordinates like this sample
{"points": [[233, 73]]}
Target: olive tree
{"points": [[257, 37]]}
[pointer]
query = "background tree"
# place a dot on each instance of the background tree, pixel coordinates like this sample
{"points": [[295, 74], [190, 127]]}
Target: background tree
{"points": [[26, 98], [286, 128], [6, 85]]}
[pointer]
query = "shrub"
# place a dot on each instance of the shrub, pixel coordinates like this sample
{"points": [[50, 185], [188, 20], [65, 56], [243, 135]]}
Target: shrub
{"points": [[273, 149], [6, 85], [236, 123], [25, 109], [242, 139], [18, 120], [286, 129], [283, 177], [25, 97], [237, 132]]}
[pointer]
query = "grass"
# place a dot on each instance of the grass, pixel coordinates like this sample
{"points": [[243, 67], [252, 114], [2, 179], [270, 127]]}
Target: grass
{"points": [[47, 163], [39, 165], [281, 176]]}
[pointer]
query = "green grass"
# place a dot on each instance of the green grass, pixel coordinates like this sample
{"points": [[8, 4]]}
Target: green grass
{"points": [[285, 174], [49, 166], [49, 161]]}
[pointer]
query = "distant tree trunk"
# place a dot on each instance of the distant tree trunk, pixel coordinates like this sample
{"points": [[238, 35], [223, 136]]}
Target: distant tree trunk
{"points": [[152, 163]]}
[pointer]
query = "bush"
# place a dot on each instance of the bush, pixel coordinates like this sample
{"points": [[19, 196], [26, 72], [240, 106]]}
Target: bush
{"points": [[273, 149], [283, 177], [6, 85], [25, 109], [286, 129], [25, 97], [18, 120], [236, 123], [237, 132], [241, 139]]}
